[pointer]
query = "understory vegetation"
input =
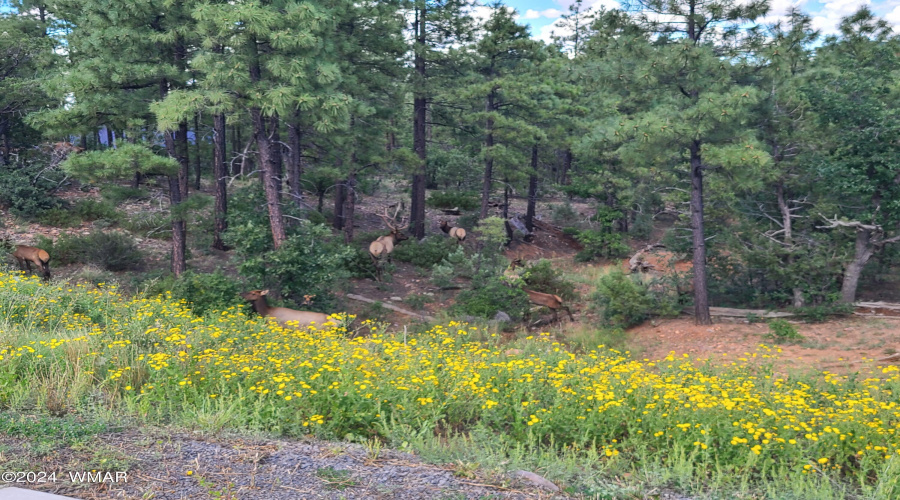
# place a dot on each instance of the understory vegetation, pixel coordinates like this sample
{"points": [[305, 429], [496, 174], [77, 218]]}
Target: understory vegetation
{"points": [[731, 424]]}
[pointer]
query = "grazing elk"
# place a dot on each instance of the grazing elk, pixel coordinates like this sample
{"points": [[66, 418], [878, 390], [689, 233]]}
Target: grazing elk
{"points": [[282, 315], [454, 232], [548, 300], [382, 247], [26, 255]]}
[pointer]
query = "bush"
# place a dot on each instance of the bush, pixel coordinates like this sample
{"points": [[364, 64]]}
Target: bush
{"points": [[426, 253], [26, 190], [493, 296], [783, 332], [90, 210], [156, 225], [602, 243], [58, 217], [453, 199], [309, 262], [819, 314], [112, 251], [623, 301], [116, 194], [563, 214], [542, 277], [455, 264], [204, 292]]}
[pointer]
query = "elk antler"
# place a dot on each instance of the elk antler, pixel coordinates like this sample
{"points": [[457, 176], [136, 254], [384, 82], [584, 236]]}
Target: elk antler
{"points": [[391, 221]]}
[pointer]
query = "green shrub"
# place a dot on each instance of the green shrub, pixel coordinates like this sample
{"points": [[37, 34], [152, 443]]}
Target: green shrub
{"points": [[492, 297], [622, 300], [492, 234], [417, 301], [58, 217], [467, 221], [156, 225], [453, 199], [456, 264], [563, 214], [27, 189], [90, 210], [204, 292], [112, 251], [542, 277], [116, 194], [601, 244], [822, 313], [426, 253], [782, 332], [309, 262]]}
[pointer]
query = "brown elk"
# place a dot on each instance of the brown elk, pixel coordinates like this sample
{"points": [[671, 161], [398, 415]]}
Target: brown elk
{"points": [[282, 315], [454, 232], [550, 301], [382, 247], [26, 255]]}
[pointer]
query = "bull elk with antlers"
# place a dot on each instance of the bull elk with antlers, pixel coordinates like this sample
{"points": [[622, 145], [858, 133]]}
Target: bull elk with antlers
{"points": [[382, 247], [454, 232]]}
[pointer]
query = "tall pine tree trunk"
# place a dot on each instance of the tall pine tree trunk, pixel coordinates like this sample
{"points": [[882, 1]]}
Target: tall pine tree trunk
{"points": [[5, 138], [701, 293], [197, 151], [339, 198], [532, 189], [179, 236], [567, 165], [417, 205], [489, 160], [350, 206], [181, 144], [295, 167], [264, 145], [277, 158], [220, 172]]}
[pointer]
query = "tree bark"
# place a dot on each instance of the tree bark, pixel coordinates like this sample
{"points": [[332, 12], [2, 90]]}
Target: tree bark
{"points": [[263, 143], [567, 165], [110, 142], [788, 238], [417, 203], [5, 138], [179, 236], [701, 293], [505, 209], [197, 152], [295, 165], [220, 172], [339, 197], [862, 253], [489, 160], [277, 158], [181, 143], [350, 205], [532, 189]]}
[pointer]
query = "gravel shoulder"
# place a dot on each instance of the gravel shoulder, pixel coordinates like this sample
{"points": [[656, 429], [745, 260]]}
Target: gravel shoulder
{"points": [[167, 466]]}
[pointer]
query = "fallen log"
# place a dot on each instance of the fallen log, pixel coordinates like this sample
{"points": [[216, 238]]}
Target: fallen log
{"points": [[392, 307], [743, 313]]}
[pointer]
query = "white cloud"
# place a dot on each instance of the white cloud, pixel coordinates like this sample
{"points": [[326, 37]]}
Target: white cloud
{"points": [[537, 14], [893, 16], [546, 33]]}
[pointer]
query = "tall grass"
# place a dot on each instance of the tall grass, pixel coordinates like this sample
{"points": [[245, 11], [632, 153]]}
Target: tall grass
{"points": [[691, 424]]}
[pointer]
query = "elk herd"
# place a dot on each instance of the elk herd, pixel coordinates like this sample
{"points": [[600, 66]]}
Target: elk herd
{"points": [[380, 250]]}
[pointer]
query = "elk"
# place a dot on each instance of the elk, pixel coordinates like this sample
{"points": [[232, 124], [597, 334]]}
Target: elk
{"points": [[282, 315], [382, 247], [550, 301], [26, 255], [454, 232]]}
